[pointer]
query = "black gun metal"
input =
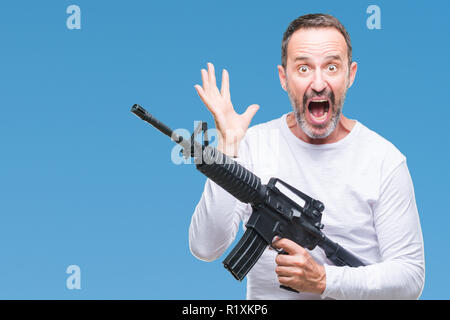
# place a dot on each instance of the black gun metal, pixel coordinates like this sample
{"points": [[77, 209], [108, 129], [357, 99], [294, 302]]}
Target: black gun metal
{"points": [[274, 213]]}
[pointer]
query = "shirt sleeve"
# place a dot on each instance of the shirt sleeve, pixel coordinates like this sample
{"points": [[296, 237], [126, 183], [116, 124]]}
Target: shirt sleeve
{"points": [[401, 274], [217, 217]]}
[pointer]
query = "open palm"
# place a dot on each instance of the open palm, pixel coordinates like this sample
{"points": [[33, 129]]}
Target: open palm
{"points": [[230, 125]]}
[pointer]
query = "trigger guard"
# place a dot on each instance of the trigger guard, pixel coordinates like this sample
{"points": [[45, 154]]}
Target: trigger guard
{"points": [[279, 251]]}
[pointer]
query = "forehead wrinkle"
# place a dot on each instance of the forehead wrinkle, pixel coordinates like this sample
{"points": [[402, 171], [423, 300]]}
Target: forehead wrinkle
{"points": [[325, 43], [323, 50], [318, 48]]}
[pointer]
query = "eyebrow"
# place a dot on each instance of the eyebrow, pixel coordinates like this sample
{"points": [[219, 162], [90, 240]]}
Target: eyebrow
{"points": [[330, 57]]}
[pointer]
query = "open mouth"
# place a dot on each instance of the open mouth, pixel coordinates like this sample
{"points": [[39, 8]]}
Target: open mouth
{"points": [[319, 110]]}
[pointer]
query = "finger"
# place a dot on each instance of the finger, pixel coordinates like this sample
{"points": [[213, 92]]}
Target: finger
{"points": [[225, 89], [289, 246], [285, 280], [211, 75], [284, 260], [250, 112], [276, 238], [285, 271], [201, 93], [205, 79]]}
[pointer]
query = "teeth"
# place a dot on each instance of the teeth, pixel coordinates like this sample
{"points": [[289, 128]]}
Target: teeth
{"points": [[318, 100]]}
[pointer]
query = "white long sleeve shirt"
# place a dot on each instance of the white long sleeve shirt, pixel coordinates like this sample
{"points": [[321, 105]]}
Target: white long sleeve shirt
{"points": [[370, 210]]}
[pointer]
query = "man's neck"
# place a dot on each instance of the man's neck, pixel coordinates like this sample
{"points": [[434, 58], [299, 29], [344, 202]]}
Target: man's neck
{"points": [[342, 129]]}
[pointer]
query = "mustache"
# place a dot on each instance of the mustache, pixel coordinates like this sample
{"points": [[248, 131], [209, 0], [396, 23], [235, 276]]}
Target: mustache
{"points": [[324, 93]]}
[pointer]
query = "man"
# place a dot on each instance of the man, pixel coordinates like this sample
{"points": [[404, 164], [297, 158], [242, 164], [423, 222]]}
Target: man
{"points": [[362, 179]]}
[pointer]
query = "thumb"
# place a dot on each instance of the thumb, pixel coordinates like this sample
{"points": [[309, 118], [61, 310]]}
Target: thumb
{"points": [[250, 112]]}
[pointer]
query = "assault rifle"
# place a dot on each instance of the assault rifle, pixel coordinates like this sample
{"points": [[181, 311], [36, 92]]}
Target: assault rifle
{"points": [[274, 212]]}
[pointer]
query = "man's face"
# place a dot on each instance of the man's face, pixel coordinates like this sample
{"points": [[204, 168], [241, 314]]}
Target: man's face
{"points": [[316, 78]]}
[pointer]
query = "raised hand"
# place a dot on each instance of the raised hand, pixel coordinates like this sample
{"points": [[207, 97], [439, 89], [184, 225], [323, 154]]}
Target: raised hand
{"points": [[230, 125]]}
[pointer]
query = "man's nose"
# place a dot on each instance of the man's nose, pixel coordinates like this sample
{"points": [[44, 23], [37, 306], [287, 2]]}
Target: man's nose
{"points": [[318, 83]]}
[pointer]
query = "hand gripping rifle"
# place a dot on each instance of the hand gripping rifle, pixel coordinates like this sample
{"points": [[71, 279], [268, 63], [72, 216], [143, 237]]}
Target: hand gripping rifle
{"points": [[274, 212]]}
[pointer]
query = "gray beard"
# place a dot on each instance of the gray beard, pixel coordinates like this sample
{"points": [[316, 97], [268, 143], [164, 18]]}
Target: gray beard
{"points": [[300, 117]]}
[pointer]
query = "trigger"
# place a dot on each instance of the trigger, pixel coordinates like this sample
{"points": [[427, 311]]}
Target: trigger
{"points": [[281, 251]]}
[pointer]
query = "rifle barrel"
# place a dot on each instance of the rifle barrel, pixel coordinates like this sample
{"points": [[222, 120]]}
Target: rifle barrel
{"points": [[146, 116]]}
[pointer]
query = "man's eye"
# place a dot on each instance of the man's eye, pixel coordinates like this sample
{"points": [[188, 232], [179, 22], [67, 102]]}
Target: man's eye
{"points": [[332, 68], [303, 69]]}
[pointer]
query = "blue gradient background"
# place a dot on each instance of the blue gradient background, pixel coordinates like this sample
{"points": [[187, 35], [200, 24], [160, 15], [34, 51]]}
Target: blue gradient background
{"points": [[85, 182]]}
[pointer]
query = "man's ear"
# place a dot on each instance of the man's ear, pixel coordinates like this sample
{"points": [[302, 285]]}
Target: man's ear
{"points": [[352, 73], [282, 75]]}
